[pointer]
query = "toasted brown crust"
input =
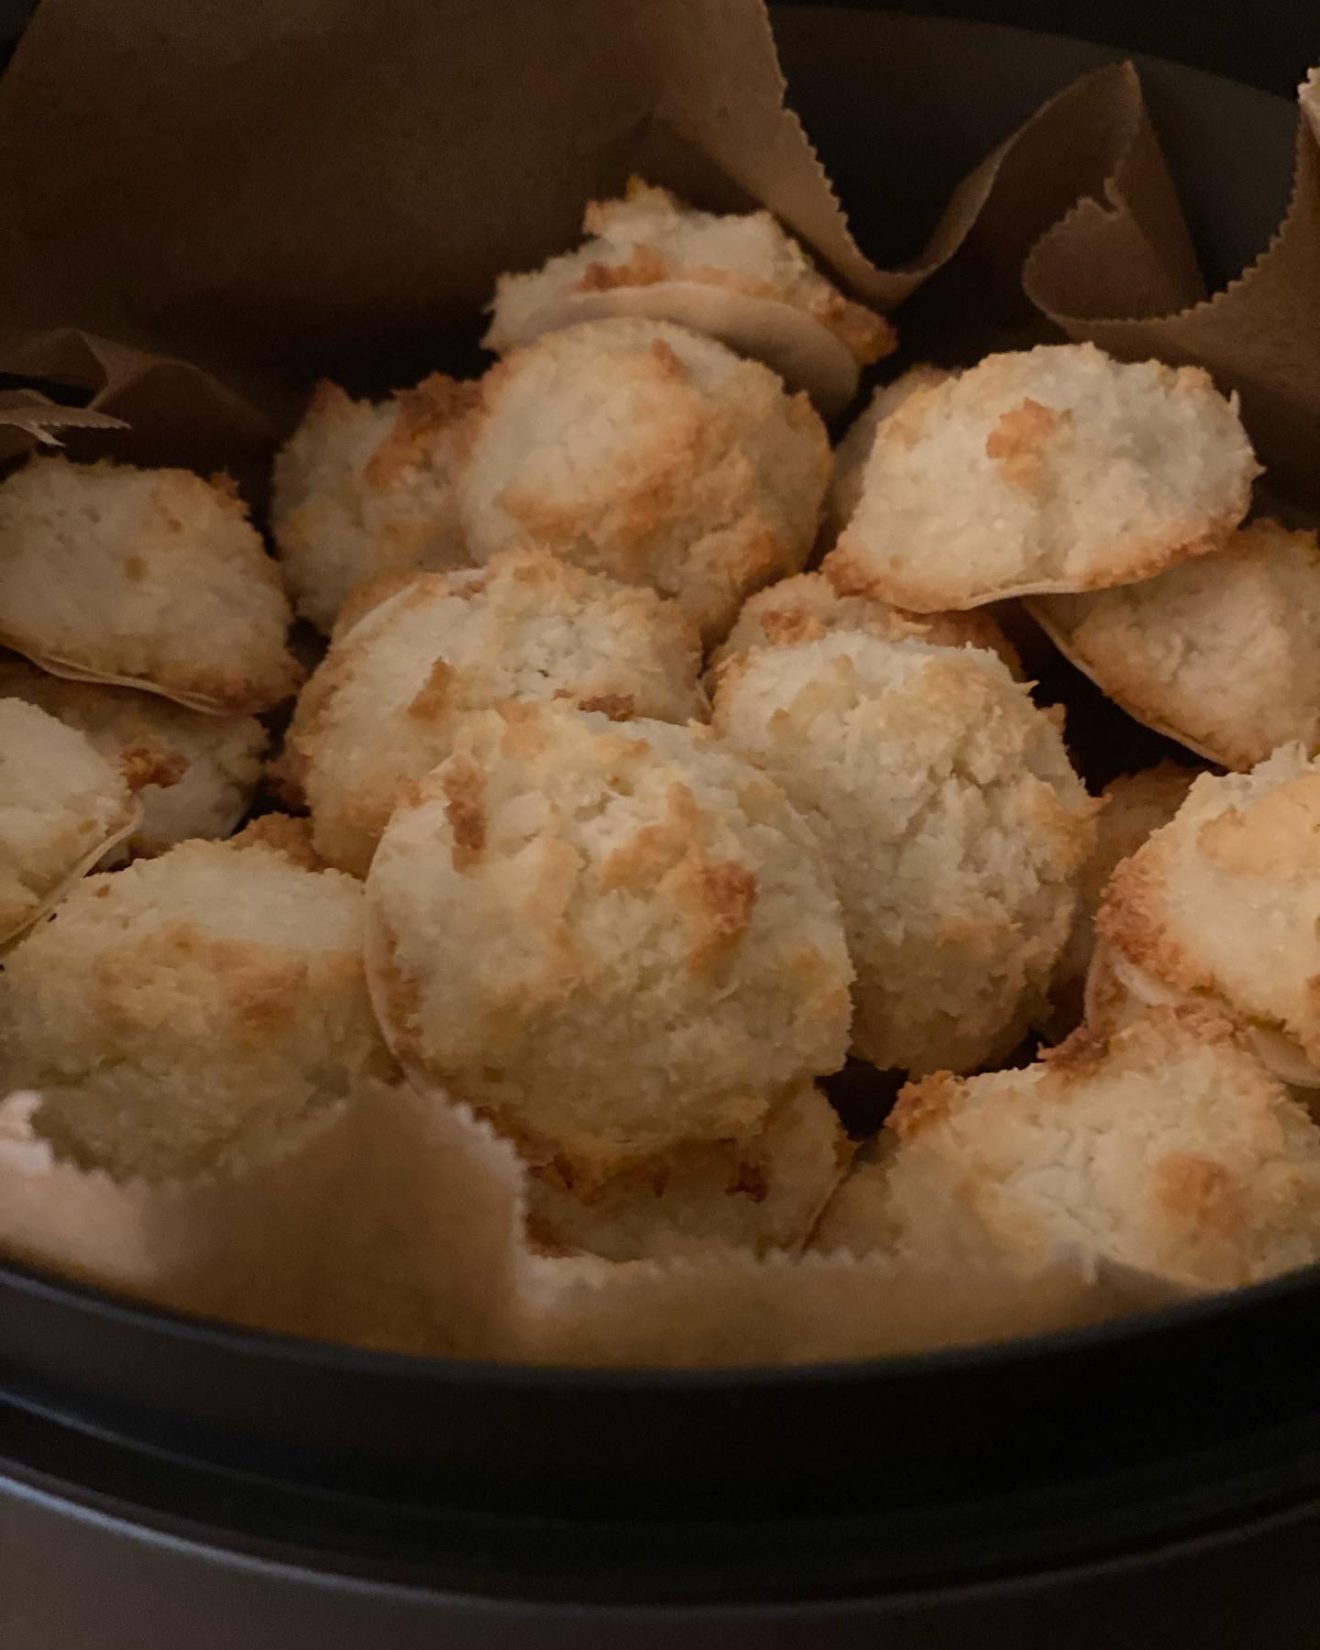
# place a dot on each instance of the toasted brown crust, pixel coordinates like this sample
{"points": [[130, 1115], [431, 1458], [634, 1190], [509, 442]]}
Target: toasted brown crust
{"points": [[931, 1101], [853, 574], [643, 268], [619, 707], [262, 983], [1133, 918], [423, 412], [286, 834], [431, 698], [923, 1104], [1199, 1193], [1018, 441], [721, 497], [1166, 650], [806, 607], [464, 786], [1280, 839], [725, 894], [145, 763], [1167, 1147]]}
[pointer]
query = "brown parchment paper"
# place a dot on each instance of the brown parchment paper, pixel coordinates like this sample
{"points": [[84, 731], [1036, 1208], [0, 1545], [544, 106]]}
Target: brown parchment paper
{"points": [[386, 1221], [399, 1222], [278, 192], [1259, 336], [736, 1309], [206, 206]]}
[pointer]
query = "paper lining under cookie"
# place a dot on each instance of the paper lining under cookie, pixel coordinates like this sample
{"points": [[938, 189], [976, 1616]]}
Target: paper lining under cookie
{"points": [[1166, 730], [88, 862], [736, 1310], [802, 350], [53, 665], [381, 1222], [1114, 982]]}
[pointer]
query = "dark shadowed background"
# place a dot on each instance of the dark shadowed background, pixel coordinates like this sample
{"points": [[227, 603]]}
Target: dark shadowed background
{"points": [[1270, 43]]}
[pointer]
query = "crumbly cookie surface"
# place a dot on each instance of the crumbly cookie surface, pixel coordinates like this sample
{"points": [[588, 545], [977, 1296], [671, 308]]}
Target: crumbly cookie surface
{"points": [[149, 578], [950, 817], [614, 939], [1051, 469]]}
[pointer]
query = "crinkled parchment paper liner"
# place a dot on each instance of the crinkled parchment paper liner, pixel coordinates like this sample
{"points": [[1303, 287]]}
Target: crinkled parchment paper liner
{"points": [[49, 900], [383, 1222], [1260, 336], [396, 1221], [737, 1310], [339, 232], [27, 417], [137, 407]]}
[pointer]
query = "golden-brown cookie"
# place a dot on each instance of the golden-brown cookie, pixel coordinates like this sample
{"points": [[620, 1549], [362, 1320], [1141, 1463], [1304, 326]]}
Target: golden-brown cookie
{"points": [[384, 707], [152, 579], [194, 775], [807, 606], [1056, 468], [62, 806], [614, 939], [1221, 653], [951, 819], [1167, 1148], [651, 453], [1222, 906], [761, 1194], [189, 1007], [365, 488]]}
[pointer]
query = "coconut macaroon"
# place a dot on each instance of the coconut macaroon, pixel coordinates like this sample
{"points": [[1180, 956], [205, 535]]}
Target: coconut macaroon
{"points": [[153, 579], [62, 806], [1223, 906], [365, 488], [383, 708], [854, 449], [765, 1193], [948, 812], [737, 277], [1221, 653], [807, 606], [653, 454], [1135, 806], [1051, 469], [194, 775], [189, 1008], [1168, 1149], [613, 939]]}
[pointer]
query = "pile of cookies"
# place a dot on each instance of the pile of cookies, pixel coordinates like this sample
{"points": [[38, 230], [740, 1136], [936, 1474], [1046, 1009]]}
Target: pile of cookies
{"points": [[597, 811]]}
